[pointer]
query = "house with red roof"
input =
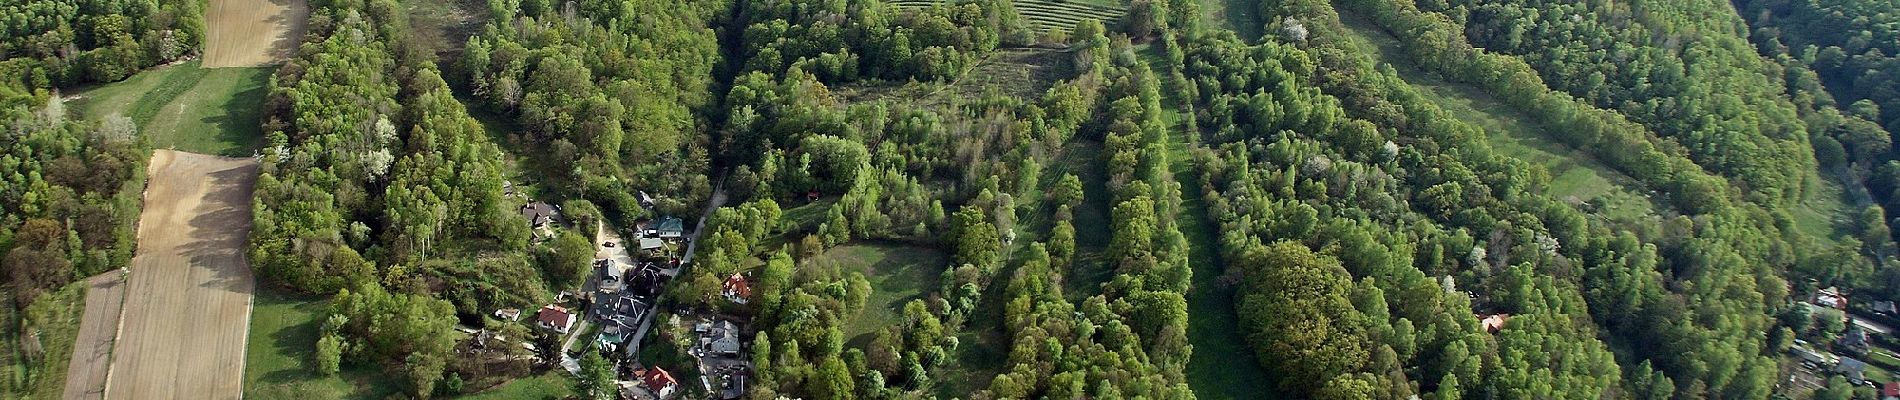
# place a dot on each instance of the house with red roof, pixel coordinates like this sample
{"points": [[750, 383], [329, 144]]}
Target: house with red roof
{"points": [[1494, 322], [659, 381], [737, 289], [1890, 391], [556, 318]]}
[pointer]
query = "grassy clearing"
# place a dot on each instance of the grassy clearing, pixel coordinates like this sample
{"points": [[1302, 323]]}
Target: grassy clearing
{"points": [[185, 107], [1574, 175], [1222, 366], [1236, 15], [54, 316], [1091, 267], [898, 274], [279, 360], [1822, 214], [443, 26], [552, 385]]}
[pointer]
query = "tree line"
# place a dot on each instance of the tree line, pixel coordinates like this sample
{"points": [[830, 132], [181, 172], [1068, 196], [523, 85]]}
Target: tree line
{"points": [[61, 43]]}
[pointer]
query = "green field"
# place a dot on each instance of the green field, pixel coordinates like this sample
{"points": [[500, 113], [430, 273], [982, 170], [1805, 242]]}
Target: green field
{"points": [[279, 360], [898, 274], [552, 385], [184, 107], [1575, 176], [1051, 15]]}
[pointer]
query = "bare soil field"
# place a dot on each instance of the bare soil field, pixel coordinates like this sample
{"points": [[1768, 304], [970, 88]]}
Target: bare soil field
{"points": [[188, 302], [249, 33], [92, 352]]}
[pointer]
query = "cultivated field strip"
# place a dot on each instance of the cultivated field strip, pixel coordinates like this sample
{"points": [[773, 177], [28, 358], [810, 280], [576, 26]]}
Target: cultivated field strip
{"points": [[92, 351], [1046, 15], [249, 33], [188, 300]]}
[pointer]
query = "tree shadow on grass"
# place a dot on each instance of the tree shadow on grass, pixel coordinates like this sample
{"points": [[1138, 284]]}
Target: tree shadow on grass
{"points": [[240, 124]]}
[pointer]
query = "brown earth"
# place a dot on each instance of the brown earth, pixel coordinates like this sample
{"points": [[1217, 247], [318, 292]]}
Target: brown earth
{"points": [[92, 352], [188, 304], [249, 33]]}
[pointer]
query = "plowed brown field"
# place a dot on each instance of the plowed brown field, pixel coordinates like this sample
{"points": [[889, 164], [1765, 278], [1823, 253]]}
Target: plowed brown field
{"points": [[249, 33], [188, 301]]}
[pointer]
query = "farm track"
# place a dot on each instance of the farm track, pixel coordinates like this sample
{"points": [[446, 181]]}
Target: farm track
{"points": [[188, 300]]}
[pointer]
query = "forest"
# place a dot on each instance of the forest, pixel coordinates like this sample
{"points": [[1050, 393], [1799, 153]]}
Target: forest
{"points": [[1362, 238]]}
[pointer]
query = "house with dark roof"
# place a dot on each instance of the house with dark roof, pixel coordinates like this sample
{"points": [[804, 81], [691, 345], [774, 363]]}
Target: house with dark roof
{"points": [[1853, 369], [539, 214], [722, 339], [667, 227], [1853, 341]]}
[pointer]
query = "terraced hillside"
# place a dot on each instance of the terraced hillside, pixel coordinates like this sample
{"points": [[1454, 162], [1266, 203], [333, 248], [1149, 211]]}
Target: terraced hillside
{"points": [[1050, 15]]}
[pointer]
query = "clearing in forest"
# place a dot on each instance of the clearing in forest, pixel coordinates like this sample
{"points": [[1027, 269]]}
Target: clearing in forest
{"points": [[98, 327], [249, 33], [187, 107], [898, 274], [188, 300]]}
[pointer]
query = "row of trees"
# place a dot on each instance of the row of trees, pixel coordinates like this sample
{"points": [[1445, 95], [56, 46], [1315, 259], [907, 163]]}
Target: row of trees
{"points": [[60, 43]]}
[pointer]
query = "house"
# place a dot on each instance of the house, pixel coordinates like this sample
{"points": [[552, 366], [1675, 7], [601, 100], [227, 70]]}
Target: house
{"points": [[611, 275], [556, 318], [1890, 391], [651, 246], [508, 314], [736, 289], [539, 214], [1853, 369], [1854, 341], [722, 339], [658, 381], [1494, 323], [1884, 307], [1808, 355], [668, 227], [1831, 297], [646, 200], [619, 309]]}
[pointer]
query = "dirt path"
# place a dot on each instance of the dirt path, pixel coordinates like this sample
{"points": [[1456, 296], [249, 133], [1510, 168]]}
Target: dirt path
{"points": [[92, 352], [249, 33], [187, 309]]}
